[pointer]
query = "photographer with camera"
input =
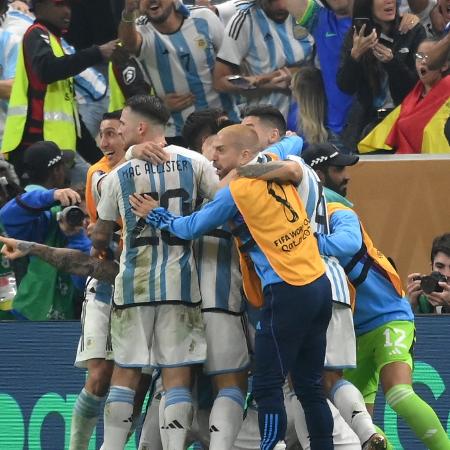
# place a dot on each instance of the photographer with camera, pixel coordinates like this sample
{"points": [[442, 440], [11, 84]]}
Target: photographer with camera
{"points": [[431, 293], [46, 213]]}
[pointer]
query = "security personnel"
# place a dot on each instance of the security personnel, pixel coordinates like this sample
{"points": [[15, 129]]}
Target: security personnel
{"points": [[42, 104]]}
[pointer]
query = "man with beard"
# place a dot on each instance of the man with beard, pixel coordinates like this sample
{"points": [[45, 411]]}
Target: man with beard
{"points": [[177, 49], [263, 44], [384, 322]]}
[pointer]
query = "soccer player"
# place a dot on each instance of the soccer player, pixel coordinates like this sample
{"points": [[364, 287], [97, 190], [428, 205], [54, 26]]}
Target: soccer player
{"points": [[384, 322], [156, 318], [177, 49], [94, 348], [295, 292], [263, 44]]}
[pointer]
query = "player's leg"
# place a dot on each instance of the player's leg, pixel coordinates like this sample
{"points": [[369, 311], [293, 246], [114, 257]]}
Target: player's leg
{"points": [[395, 360], [287, 319], [179, 343], [306, 372], [94, 346], [341, 354], [150, 435], [131, 332], [227, 361]]}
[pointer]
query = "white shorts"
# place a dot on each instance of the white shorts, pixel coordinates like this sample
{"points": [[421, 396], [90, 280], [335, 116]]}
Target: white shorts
{"points": [[158, 336], [341, 340], [95, 340], [226, 338]]}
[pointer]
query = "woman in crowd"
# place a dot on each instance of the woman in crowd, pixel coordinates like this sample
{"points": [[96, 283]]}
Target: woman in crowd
{"points": [[308, 112], [378, 60], [419, 124]]}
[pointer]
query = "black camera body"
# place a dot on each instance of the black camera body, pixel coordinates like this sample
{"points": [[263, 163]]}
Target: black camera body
{"points": [[430, 283], [72, 215]]}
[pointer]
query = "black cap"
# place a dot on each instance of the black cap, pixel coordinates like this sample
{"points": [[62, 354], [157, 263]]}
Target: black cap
{"points": [[327, 155], [42, 156]]}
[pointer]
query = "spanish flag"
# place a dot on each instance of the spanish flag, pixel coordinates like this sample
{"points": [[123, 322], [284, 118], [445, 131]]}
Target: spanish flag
{"points": [[415, 126]]}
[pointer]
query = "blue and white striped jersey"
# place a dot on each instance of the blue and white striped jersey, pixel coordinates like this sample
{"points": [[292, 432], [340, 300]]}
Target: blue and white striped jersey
{"points": [[183, 63], [228, 9], [311, 192], [258, 45], [218, 271], [156, 266]]}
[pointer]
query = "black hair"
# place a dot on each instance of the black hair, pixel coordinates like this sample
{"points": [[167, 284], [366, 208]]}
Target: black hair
{"points": [[113, 115], [440, 244], [371, 66], [150, 107], [199, 122], [268, 114]]}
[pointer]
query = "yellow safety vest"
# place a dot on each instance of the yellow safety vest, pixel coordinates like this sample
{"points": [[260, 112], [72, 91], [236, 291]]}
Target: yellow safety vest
{"points": [[116, 97], [374, 256], [60, 112], [276, 219]]}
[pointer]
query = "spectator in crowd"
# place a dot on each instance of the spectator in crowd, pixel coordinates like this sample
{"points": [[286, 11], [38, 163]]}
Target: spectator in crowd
{"points": [[329, 23], [378, 61], [308, 119], [42, 103], [262, 43], [439, 298], [46, 293], [177, 49], [434, 15], [418, 124], [8, 58]]}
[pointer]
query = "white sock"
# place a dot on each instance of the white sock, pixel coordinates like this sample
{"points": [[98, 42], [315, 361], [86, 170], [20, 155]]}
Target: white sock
{"points": [[162, 422], [225, 420], [178, 415], [343, 436], [350, 403], [151, 432], [84, 419], [118, 417]]}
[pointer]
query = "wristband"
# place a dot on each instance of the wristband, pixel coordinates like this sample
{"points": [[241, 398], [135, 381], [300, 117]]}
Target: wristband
{"points": [[127, 18], [129, 153]]}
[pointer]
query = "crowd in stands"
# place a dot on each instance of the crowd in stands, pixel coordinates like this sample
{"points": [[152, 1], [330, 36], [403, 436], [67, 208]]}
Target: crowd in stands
{"points": [[353, 73]]}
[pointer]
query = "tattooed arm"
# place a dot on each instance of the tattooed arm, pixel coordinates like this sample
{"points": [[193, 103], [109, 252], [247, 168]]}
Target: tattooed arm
{"points": [[278, 171], [72, 261]]}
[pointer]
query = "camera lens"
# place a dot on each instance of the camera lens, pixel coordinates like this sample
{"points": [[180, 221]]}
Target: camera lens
{"points": [[74, 216]]}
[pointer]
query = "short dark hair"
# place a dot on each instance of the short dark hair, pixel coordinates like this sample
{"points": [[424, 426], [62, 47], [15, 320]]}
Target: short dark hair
{"points": [[440, 244], [268, 114], [113, 115], [199, 121], [150, 107]]}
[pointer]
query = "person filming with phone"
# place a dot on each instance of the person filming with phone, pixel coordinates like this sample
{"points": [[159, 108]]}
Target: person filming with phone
{"points": [[377, 62], [430, 293]]}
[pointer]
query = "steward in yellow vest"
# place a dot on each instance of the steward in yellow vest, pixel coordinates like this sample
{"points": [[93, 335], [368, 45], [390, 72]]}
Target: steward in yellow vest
{"points": [[42, 103]]}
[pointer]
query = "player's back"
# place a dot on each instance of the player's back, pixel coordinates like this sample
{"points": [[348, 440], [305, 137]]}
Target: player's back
{"points": [[155, 265]]}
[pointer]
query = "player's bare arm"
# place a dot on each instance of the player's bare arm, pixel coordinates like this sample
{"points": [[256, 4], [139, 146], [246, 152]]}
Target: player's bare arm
{"points": [[102, 234], [68, 260], [278, 171]]}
